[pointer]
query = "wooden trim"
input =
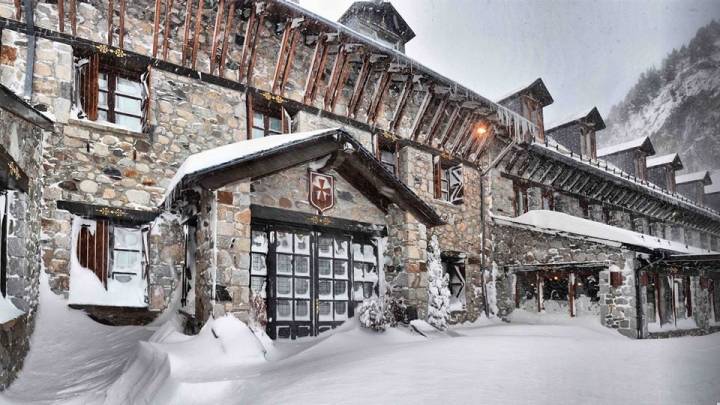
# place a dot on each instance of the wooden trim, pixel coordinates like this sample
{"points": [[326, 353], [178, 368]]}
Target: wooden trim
{"points": [[186, 36], [226, 38], [61, 15], [196, 33], [219, 15], [114, 214], [166, 31], [269, 214]]}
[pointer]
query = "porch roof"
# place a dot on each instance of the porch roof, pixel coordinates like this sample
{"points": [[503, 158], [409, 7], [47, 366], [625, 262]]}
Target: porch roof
{"points": [[560, 223], [257, 158], [706, 261]]}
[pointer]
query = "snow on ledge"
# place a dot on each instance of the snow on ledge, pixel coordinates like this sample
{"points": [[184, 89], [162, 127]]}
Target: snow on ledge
{"points": [[8, 311], [227, 153], [559, 222]]}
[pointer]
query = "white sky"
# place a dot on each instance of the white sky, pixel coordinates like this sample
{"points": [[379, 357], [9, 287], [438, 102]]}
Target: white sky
{"points": [[588, 52]]}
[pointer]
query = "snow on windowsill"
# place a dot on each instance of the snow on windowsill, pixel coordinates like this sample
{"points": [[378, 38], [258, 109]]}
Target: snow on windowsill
{"points": [[8, 311], [105, 126]]}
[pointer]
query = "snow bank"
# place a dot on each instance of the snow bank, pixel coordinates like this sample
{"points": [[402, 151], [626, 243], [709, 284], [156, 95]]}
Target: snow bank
{"points": [[8, 311], [560, 222], [681, 324]]}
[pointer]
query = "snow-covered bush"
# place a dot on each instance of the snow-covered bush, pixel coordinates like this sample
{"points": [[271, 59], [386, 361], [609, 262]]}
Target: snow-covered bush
{"points": [[258, 312], [395, 311], [371, 315], [438, 291]]}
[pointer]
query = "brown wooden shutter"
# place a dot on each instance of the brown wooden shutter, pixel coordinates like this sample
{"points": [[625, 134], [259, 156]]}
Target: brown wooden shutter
{"points": [[616, 279], [90, 88], [643, 279], [437, 174], [250, 112], [92, 249]]}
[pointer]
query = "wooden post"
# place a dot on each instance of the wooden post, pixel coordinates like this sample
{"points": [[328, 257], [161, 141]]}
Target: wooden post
{"points": [[111, 16], [73, 17], [196, 33], [226, 38], [186, 36], [156, 27], [121, 41], [61, 15], [166, 31], [219, 14]]}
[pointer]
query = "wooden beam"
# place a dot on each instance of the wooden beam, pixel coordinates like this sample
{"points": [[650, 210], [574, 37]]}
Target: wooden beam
{"points": [[344, 74], [402, 102], [335, 74], [111, 16], [435, 121], [196, 33], [547, 171], [186, 36], [319, 58], [359, 87], [297, 36], [464, 133], [121, 42], [379, 96], [512, 161], [536, 168], [73, 17], [448, 128], [61, 15], [219, 15], [415, 129], [226, 37], [166, 31], [557, 175], [156, 27], [281, 57], [565, 180]]}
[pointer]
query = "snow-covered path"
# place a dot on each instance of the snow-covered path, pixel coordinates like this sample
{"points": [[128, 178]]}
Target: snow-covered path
{"points": [[534, 360]]}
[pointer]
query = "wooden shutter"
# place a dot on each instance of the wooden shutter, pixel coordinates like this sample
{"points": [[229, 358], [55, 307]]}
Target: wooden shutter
{"points": [[89, 86], [616, 279], [145, 81], [457, 184], [643, 279], [437, 176], [92, 249]]}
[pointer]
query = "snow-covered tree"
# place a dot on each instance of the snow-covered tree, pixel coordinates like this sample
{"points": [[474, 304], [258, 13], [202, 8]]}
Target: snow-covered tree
{"points": [[372, 315], [438, 291]]}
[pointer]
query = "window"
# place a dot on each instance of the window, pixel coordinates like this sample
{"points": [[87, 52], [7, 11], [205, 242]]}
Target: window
{"points": [[3, 241], [455, 269], [449, 184], [266, 118], [111, 94], [521, 199]]}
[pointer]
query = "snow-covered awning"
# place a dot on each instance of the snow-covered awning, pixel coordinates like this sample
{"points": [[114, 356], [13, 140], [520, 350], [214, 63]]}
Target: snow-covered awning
{"points": [[558, 222], [257, 158], [643, 144]]}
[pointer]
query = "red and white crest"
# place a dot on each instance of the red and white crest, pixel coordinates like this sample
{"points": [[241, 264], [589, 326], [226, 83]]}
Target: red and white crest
{"points": [[322, 191]]}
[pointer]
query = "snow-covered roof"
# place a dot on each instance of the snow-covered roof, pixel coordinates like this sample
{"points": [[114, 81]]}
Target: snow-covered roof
{"points": [[715, 186], [552, 221], [593, 116], [227, 153], [536, 88], [672, 158], [702, 175], [639, 143]]}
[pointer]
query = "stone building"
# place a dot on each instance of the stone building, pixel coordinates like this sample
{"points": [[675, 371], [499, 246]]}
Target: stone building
{"points": [[256, 159]]}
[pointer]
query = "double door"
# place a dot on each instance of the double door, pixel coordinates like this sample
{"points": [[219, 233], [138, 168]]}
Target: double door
{"points": [[312, 278]]}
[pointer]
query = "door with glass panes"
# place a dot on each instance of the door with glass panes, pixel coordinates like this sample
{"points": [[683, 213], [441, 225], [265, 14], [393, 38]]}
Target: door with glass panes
{"points": [[311, 278]]}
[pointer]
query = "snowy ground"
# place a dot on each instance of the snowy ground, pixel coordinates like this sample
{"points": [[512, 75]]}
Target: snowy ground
{"points": [[550, 360]]}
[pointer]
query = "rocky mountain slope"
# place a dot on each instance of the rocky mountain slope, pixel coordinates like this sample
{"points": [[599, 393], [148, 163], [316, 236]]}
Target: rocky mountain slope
{"points": [[677, 105]]}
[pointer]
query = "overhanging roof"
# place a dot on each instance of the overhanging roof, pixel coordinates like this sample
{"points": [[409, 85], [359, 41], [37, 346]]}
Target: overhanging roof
{"points": [[672, 159], [644, 144], [592, 118], [703, 176], [11, 102], [258, 158], [536, 90]]}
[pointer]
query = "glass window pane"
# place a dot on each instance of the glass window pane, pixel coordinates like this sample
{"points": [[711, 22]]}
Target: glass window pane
{"points": [[102, 81], [325, 310], [302, 243], [325, 289], [325, 247], [341, 249], [257, 285], [257, 133], [128, 105], [358, 292], [367, 290], [258, 265], [102, 115], [131, 123], [341, 269], [275, 124], [284, 286], [284, 242], [340, 311], [259, 242], [127, 238], [302, 288], [129, 87], [340, 288], [102, 99], [127, 262], [258, 120], [284, 264], [284, 310], [302, 265], [325, 268], [302, 310]]}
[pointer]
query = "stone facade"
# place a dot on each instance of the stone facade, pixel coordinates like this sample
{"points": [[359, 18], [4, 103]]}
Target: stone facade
{"points": [[23, 142]]}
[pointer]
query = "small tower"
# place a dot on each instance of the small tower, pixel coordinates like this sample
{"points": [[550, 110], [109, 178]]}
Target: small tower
{"points": [[380, 21]]}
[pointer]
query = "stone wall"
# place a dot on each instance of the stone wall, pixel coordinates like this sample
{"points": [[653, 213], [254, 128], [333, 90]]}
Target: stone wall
{"points": [[618, 305], [22, 141]]}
